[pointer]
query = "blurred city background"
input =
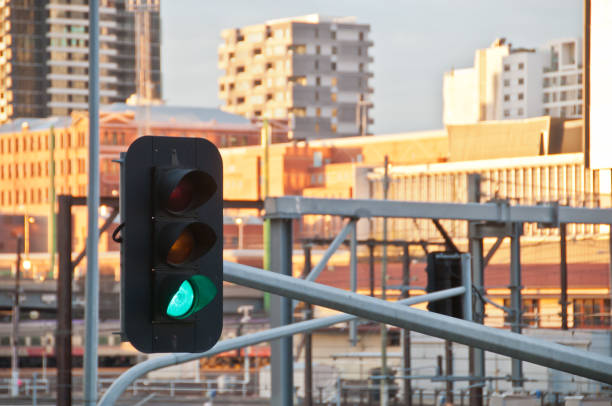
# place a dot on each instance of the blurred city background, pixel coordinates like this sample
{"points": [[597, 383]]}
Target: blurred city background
{"points": [[353, 95]]}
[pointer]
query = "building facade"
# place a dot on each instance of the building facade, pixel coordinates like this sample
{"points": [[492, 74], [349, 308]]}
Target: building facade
{"points": [[311, 70], [516, 83], [44, 50]]}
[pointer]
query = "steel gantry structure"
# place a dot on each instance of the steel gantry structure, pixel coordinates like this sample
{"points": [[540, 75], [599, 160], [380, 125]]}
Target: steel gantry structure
{"points": [[282, 211]]}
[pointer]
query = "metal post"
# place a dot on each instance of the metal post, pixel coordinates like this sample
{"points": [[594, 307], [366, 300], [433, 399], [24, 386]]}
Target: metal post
{"points": [[52, 220], [406, 333], [563, 301], [353, 266], [15, 323], [265, 143], [477, 356], [384, 391], [34, 389], [63, 335], [448, 354], [308, 338], [281, 315], [515, 297], [92, 289], [371, 249]]}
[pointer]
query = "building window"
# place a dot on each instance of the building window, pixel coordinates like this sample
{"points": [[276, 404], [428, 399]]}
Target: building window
{"points": [[521, 96], [333, 34], [506, 97], [591, 313], [521, 81], [318, 49], [240, 100], [334, 50], [317, 127], [506, 68], [506, 82], [318, 81], [506, 113], [316, 64], [520, 112], [521, 66], [333, 67], [240, 69], [257, 82]]}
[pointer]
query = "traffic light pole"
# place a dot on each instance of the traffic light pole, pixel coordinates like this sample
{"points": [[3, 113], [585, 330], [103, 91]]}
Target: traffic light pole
{"points": [[92, 289]]}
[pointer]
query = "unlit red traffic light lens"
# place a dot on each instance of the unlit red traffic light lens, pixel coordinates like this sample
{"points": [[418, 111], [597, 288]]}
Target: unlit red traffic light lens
{"points": [[182, 248], [182, 302], [181, 196]]}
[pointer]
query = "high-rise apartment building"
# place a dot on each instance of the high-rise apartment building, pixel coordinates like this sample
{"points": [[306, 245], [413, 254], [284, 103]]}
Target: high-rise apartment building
{"points": [[515, 83], [44, 48], [311, 70]]}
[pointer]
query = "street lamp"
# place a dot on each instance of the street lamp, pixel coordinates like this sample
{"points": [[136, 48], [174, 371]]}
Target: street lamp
{"points": [[240, 236]]}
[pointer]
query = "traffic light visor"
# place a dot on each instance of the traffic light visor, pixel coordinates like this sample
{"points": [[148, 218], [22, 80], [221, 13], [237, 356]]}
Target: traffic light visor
{"points": [[183, 190]]}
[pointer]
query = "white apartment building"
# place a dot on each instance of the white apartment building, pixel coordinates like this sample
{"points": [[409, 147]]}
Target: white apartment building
{"points": [[311, 70], [507, 83]]}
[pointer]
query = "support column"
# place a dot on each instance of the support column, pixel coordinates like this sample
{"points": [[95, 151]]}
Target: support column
{"points": [[308, 337], [353, 266], [477, 356], [515, 297], [371, 249], [563, 301], [281, 314], [406, 336], [63, 335]]}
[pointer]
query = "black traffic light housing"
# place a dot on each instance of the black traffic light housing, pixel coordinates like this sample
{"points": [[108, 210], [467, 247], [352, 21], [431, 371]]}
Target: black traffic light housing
{"points": [[171, 250], [444, 272]]}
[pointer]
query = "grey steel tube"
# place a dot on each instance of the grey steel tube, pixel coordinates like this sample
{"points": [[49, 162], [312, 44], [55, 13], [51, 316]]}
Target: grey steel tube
{"points": [[90, 367], [549, 354], [125, 380]]}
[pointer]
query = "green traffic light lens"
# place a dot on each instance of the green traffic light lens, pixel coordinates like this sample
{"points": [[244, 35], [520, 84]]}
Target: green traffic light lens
{"points": [[191, 296], [182, 302]]}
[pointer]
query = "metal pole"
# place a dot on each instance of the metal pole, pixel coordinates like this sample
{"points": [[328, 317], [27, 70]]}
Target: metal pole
{"points": [[125, 380], [563, 240], [515, 297], [52, 219], [90, 362], [371, 249], [281, 314], [353, 266], [477, 356], [384, 391], [265, 143], [537, 351], [308, 338], [63, 335], [586, 85], [15, 323], [406, 333], [448, 355]]}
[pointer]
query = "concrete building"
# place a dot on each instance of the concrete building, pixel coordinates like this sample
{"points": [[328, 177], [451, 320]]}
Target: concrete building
{"points": [[312, 70], [514, 83], [44, 56]]}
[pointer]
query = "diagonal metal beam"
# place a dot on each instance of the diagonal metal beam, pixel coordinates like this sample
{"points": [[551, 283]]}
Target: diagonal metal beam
{"points": [[541, 352], [125, 379], [331, 250], [104, 227], [492, 251], [450, 245]]}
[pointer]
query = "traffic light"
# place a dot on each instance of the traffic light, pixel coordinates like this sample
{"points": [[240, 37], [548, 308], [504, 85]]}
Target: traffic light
{"points": [[171, 244], [444, 272]]}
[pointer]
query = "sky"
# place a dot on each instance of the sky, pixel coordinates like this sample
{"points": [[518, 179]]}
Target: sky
{"points": [[415, 42]]}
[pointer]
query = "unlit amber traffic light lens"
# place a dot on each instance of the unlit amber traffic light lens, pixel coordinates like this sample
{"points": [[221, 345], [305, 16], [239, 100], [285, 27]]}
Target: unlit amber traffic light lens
{"points": [[182, 248], [181, 196]]}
